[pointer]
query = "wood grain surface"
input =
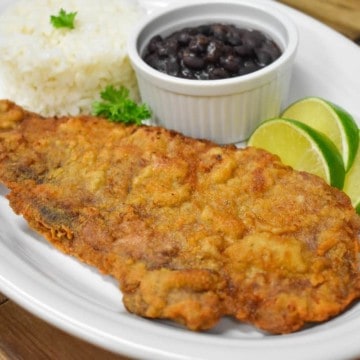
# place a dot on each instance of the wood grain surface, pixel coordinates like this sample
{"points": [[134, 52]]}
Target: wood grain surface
{"points": [[3, 299], [24, 336], [342, 15]]}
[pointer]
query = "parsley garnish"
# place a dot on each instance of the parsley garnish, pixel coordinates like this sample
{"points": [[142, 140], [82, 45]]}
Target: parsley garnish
{"points": [[63, 19], [118, 107]]}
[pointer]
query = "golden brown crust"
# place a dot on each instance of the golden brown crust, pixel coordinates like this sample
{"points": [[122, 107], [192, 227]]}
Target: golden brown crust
{"points": [[191, 230]]}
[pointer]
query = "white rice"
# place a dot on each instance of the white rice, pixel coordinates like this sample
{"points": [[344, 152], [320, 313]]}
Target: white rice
{"points": [[62, 71]]}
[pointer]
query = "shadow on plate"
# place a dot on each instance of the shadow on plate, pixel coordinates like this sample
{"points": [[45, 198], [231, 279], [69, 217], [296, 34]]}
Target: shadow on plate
{"points": [[3, 190]]}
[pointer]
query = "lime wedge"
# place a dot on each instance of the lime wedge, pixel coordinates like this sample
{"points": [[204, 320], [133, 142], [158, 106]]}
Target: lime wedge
{"points": [[352, 182], [333, 121], [301, 147]]}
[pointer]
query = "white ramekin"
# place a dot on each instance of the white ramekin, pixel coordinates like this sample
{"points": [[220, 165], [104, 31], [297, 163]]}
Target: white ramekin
{"points": [[226, 110]]}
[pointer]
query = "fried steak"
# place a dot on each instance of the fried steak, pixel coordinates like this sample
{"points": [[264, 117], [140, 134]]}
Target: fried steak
{"points": [[192, 231]]}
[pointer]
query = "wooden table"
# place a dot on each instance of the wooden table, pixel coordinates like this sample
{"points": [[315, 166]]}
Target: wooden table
{"points": [[23, 336], [342, 15]]}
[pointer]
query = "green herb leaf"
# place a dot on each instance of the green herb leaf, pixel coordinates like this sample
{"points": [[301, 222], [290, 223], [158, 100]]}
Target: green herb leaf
{"points": [[118, 107], [63, 19]]}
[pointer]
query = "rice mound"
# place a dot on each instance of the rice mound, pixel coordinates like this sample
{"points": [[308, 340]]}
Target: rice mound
{"points": [[62, 71]]}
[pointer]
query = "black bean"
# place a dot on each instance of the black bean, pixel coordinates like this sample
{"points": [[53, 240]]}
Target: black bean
{"points": [[231, 63], [158, 63], [243, 50], [151, 59], [272, 49], [162, 51], [184, 38], [204, 29], [253, 38], [214, 51], [234, 37], [228, 50], [199, 44], [218, 73], [154, 43], [263, 57], [211, 51], [219, 32], [193, 61], [249, 67], [171, 45]]}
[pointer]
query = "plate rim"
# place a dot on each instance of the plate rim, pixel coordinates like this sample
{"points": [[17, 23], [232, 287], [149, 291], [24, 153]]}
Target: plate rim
{"points": [[26, 299]]}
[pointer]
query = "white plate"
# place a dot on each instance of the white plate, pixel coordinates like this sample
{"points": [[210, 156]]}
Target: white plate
{"points": [[79, 300]]}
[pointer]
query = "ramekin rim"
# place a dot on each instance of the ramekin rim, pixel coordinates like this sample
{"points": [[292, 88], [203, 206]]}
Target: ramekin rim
{"points": [[245, 80]]}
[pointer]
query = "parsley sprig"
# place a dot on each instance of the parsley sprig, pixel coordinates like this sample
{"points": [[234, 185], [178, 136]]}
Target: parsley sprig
{"points": [[118, 107], [63, 19]]}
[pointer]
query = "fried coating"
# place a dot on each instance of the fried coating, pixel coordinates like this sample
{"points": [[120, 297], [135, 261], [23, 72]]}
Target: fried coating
{"points": [[191, 230]]}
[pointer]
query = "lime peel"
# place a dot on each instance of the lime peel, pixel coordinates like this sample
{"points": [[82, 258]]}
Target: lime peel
{"points": [[301, 147], [330, 119], [352, 182]]}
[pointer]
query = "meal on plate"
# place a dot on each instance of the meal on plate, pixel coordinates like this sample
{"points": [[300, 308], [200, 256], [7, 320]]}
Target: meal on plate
{"points": [[191, 230]]}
